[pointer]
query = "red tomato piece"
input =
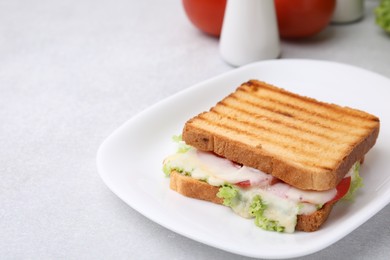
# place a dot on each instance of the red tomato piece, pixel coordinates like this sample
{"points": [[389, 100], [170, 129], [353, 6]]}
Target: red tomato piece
{"points": [[243, 184], [302, 18], [206, 15], [342, 189]]}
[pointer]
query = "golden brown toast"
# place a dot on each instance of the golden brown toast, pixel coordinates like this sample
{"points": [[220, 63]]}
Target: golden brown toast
{"points": [[196, 189], [304, 142]]}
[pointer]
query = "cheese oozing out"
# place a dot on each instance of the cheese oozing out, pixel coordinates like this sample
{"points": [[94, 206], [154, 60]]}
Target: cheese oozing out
{"points": [[284, 202]]}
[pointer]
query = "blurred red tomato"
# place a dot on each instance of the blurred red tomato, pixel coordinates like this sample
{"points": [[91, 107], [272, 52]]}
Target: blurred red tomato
{"points": [[206, 15], [302, 18]]}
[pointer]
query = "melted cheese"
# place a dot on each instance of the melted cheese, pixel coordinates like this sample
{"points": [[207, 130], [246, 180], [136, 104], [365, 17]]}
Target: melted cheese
{"points": [[284, 202], [217, 170], [282, 210]]}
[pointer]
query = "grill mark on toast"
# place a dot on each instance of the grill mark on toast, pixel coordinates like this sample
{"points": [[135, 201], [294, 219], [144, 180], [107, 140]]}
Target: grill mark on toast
{"points": [[302, 161], [326, 168], [349, 123], [255, 86], [276, 111], [305, 120], [344, 128], [306, 141], [305, 156], [276, 121], [291, 106], [269, 129]]}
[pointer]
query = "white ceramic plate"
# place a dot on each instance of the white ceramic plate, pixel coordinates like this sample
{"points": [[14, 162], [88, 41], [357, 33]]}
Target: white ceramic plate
{"points": [[129, 161]]}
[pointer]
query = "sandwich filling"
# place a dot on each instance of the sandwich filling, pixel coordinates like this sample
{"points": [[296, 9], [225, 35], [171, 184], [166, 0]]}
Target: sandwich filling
{"points": [[252, 193]]}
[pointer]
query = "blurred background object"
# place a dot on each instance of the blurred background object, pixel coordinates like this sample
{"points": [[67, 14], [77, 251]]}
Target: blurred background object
{"points": [[382, 13], [296, 18], [348, 11], [249, 32], [303, 18], [206, 15]]}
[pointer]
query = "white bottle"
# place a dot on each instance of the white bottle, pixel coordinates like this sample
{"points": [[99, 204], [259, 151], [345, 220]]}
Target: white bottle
{"points": [[348, 11], [249, 32]]}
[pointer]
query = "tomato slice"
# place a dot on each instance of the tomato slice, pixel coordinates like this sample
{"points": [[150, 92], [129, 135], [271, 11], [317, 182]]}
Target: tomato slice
{"points": [[342, 189], [243, 184]]}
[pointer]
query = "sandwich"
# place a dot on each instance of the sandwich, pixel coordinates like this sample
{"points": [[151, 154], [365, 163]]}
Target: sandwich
{"points": [[272, 155]]}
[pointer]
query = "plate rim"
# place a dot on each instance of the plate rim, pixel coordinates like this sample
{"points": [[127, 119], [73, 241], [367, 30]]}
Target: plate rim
{"points": [[192, 88]]}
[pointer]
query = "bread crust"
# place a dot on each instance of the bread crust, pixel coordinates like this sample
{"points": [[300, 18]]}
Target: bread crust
{"points": [[196, 189], [210, 131], [193, 188], [314, 221]]}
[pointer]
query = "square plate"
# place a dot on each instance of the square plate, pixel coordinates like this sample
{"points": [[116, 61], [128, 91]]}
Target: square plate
{"points": [[130, 160]]}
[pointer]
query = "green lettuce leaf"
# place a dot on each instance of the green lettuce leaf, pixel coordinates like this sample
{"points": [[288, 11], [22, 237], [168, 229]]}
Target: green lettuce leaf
{"points": [[182, 146], [229, 194], [356, 183], [168, 168], [257, 209]]}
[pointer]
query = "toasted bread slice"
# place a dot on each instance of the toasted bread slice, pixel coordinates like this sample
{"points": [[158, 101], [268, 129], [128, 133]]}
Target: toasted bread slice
{"points": [[196, 189], [306, 143]]}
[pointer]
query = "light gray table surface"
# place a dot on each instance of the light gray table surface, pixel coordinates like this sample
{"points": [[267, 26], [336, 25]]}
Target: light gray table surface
{"points": [[71, 72]]}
